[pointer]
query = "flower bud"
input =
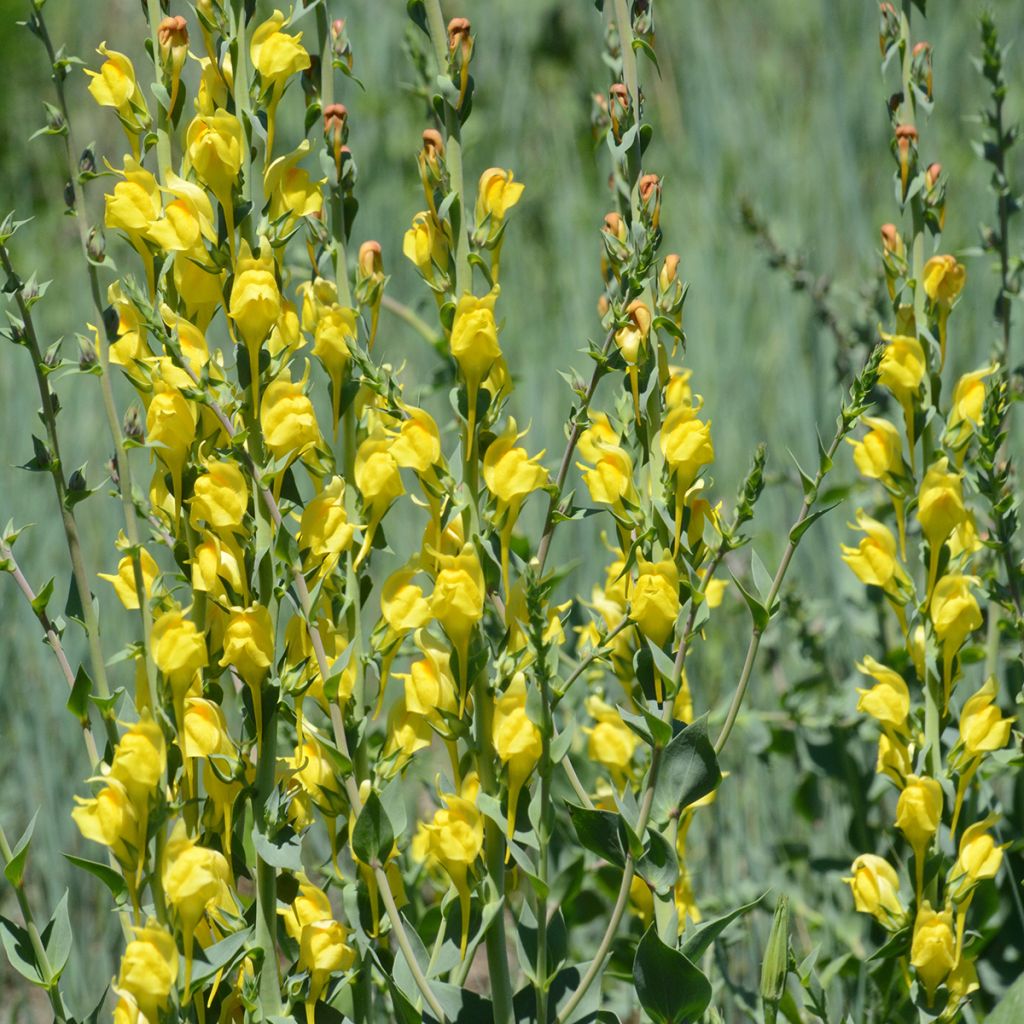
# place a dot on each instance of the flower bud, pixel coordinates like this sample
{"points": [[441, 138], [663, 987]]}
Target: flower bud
{"points": [[932, 950], [921, 67], [458, 32], [172, 35], [892, 241], [370, 263], [889, 28], [669, 272], [775, 966], [906, 147], [919, 811]]}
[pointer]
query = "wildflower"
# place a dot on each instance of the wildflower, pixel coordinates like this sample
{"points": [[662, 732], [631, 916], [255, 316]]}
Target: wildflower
{"points": [[655, 599], [955, 614], [874, 560], [967, 406], [918, 814], [944, 279], [517, 741], [940, 510], [324, 531], [982, 726], [474, 346], [255, 304], [876, 890], [879, 454], [888, 700], [149, 969], [497, 193], [978, 858], [220, 496], [335, 328], [215, 144], [125, 580], [611, 742], [110, 818], [932, 949], [179, 648], [140, 759], [288, 418]]}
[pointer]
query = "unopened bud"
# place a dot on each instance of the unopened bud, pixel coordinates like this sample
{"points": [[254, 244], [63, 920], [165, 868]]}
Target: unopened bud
{"points": [[891, 240], [76, 482], [69, 195], [87, 162], [132, 425], [889, 27], [615, 226], [906, 145], [921, 67], [602, 306], [52, 357], [432, 153], [87, 355], [458, 33], [172, 35], [335, 118], [96, 245], [775, 966], [337, 27], [370, 262], [669, 272], [619, 97], [649, 187], [931, 176]]}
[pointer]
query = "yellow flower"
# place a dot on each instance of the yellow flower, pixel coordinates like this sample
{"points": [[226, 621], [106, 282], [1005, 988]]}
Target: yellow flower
{"points": [[932, 950], [288, 418], [517, 741], [876, 890], [610, 480], [311, 904], [982, 726], [497, 193], [191, 339], [249, 643], [631, 339], [454, 839], [115, 85], [110, 818], [205, 732], [509, 472], [944, 279], [600, 432], [149, 969], [874, 561], [888, 700], [140, 758], [408, 733], [255, 302], [978, 858], [134, 205], [919, 811], [125, 580], [430, 687], [292, 192], [655, 599], [425, 244], [324, 531], [216, 560], [893, 759], [402, 604], [458, 599], [474, 344], [335, 328], [940, 504], [323, 951], [954, 610], [198, 284], [686, 445], [611, 742], [416, 445], [220, 496], [276, 55], [879, 454], [902, 367], [194, 878], [314, 774], [179, 649], [377, 476], [216, 145], [967, 405]]}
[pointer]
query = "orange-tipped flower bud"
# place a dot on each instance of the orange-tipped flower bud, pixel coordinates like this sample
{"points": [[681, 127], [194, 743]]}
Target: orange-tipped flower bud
{"points": [[889, 27], [649, 187], [906, 145], [669, 271], [619, 95], [458, 32], [891, 240], [615, 226], [931, 176], [172, 34], [602, 306], [370, 261]]}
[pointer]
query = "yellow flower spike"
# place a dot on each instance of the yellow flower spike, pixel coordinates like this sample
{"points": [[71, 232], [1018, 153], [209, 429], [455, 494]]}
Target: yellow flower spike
{"points": [[878, 455], [610, 742], [215, 145], [276, 55], [955, 615], [324, 530], [458, 605], [430, 687], [149, 969], [125, 582], [876, 890], [874, 560], [311, 904], [198, 284], [293, 193], [249, 648], [191, 339], [902, 371], [416, 444], [379, 483], [517, 741], [194, 877], [288, 419], [425, 245], [631, 339], [474, 346], [179, 651], [255, 304], [220, 496], [940, 510], [918, 815], [944, 279], [323, 951], [133, 207], [511, 475], [967, 407], [982, 726], [888, 701], [335, 328], [932, 951]]}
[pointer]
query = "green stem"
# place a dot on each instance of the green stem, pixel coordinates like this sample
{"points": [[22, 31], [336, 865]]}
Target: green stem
{"points": [[631, 80], [163, 141]]}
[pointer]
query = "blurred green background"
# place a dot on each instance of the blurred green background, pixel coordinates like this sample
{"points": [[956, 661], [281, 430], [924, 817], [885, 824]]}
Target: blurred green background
{"points": [[780, 102]]}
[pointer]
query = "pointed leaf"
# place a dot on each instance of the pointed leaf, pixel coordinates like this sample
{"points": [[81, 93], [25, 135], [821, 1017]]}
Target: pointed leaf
{"points": [[670, 988]]}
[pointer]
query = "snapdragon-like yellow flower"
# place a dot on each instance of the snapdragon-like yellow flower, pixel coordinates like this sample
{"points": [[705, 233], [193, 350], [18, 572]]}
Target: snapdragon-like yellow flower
{"points": [[324, 531], [379, 483], [430, 688], [517, 741], [255, 304], [979, 857], [293, 193], [323, 951], [955, 615], [878, 455], [140, 759], [220, 496], [474, 346], [454, 839], [149, 969], [497, 193], [888, 701], [115, 85], [654, 604], [249, 648], [874, 561], [940, 510], [458, 600], [983, 729], [944, 278], [932, 951], [288, 419], [967, 407], [876, 890], [110, 818], [215, 144], [902, 370], [335, 328], [179, 648], [918, 815], [125, 581], [426, 245], [276, 55], [610, 742], [610, 479], [631, 340]]}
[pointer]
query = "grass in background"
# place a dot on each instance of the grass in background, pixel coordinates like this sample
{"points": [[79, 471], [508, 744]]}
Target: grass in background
{"points": [[778, 102]]}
